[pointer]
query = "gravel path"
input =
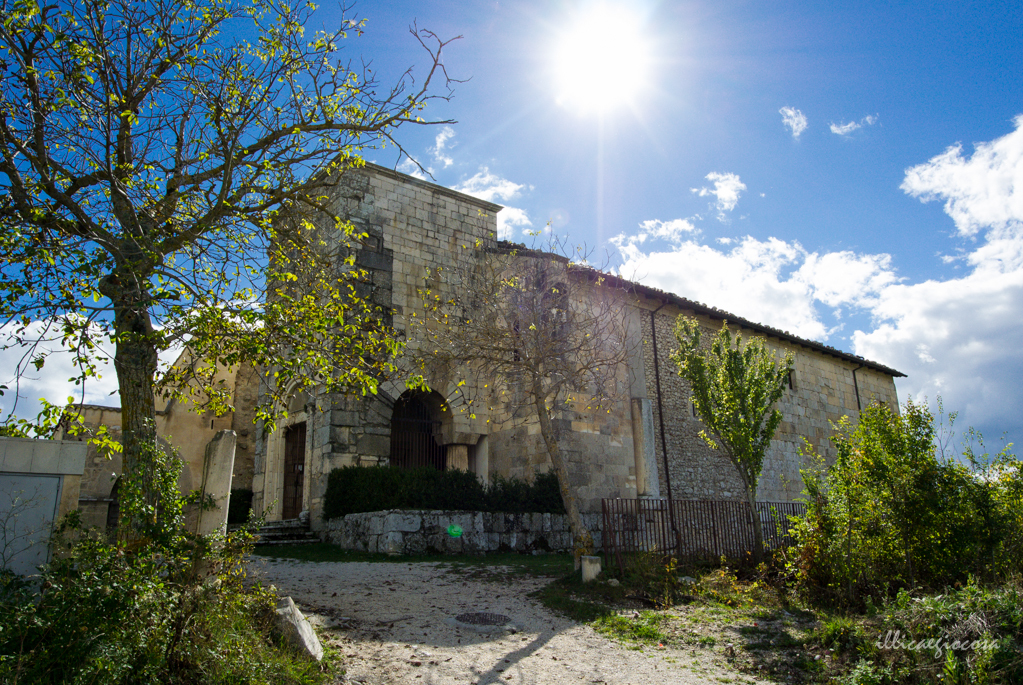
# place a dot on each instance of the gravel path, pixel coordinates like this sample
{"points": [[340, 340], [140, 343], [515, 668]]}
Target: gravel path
{"points": [[395, 623]]}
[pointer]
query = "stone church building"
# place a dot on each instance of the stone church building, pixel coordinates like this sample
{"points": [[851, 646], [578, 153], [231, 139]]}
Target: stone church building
{"points": [[414, 226]]}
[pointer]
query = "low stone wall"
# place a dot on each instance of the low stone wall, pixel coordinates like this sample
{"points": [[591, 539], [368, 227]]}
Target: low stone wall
{"points": [[417, 532]]}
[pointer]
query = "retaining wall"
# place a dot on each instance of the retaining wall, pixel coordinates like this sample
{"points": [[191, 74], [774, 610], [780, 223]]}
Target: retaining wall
{"points": [[420, 531]]}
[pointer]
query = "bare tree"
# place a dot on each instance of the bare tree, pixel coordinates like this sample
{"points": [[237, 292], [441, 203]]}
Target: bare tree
{"points": [[533, 320]]}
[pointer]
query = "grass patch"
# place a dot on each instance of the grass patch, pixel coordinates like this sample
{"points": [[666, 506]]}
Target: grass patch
{"points": [[642, 627]]}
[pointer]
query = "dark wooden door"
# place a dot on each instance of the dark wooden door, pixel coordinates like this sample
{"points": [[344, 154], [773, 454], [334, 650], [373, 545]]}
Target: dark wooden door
{"points": [[294, 470]]}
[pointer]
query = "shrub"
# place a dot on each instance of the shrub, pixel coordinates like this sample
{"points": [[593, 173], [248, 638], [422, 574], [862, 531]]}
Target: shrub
{"points": [[892, 513], [354, 489], [969, 634], [158, 606]]}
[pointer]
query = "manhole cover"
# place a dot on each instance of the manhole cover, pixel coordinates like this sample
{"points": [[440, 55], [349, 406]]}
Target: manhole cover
{"points": [[483, 619]]}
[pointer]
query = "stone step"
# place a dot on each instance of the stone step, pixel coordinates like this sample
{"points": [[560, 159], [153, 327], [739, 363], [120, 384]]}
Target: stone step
{"points": [[310, 538], [289, 532]]}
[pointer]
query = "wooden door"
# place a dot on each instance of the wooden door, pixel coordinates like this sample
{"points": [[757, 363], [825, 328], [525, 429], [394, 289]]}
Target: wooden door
{"points": [[294, 470]]}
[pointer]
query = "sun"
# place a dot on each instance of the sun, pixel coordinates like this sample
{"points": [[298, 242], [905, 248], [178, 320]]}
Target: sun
{"points": [[602, 61]]}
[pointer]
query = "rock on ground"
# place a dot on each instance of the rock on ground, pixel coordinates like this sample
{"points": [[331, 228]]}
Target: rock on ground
{"points": [[297, 631]]}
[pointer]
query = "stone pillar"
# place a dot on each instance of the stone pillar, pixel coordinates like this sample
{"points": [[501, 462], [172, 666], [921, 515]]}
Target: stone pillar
{"points": [[218, 466], [647, 481], [457, 457], [483, 459]]}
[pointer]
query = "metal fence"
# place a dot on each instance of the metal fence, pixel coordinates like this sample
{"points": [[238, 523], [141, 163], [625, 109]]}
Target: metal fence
{"points": [[691, 530]]}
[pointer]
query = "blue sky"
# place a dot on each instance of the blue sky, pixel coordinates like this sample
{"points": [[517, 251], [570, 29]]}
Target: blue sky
{"points": [[850, 172], [699, 186]]}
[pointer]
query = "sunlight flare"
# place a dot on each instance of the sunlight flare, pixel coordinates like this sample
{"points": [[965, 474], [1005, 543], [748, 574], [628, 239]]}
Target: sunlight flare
{"points": [[602, 61]]}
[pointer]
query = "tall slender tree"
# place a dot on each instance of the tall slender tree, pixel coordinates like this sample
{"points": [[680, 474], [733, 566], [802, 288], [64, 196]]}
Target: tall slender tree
{"points": [[163, 166], [735, 385]]}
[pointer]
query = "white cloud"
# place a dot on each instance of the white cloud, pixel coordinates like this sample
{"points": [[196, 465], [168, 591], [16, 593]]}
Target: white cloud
{"points": [[840, 278], [773, 282], [794, 120], [441, 146], [959, 337], [846, 129], [407, 166], [493, 188], [727, 189], [667, 230], [983, 191], [53, 381], [489, 187], [509, 219]]}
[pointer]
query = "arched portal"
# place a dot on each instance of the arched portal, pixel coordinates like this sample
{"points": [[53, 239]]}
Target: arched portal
{"points": [[415, 425]]}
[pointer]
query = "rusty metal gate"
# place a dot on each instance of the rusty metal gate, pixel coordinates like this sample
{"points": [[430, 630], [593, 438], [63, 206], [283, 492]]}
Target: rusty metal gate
{"points": [[699, 529], [412, 436]]}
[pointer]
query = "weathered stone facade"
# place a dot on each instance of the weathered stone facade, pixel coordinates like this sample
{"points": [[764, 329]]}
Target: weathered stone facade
{"points": [[415, 228]]}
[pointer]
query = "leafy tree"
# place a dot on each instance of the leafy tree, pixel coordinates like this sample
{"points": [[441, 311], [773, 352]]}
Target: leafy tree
{"points": [[734, 389], [164, 165], [550, 330], [897, 509]]}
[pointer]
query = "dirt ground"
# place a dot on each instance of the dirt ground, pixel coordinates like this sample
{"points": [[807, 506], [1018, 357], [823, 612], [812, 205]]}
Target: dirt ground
{"points": [[396, 623]]}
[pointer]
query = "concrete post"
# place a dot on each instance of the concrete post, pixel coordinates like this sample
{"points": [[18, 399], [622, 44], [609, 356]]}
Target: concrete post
{"points": [[218, 467], [591, 568]]}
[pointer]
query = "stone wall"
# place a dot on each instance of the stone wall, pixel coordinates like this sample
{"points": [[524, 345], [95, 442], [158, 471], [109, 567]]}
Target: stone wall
{"points": [[178, 427], [246, 395], [419, 532]]}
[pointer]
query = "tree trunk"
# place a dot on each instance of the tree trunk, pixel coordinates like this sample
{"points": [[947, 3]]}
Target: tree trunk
{"points": [[582, 539], [135, 360], [758, 533]]}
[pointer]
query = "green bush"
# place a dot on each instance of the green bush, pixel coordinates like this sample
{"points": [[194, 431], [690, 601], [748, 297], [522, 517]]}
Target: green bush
{"points": [[159, 605], [892, 513], [968, 634], [354, 489]]}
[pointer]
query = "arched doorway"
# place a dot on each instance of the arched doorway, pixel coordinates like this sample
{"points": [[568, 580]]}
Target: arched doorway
{"points": [[413, 427]]}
